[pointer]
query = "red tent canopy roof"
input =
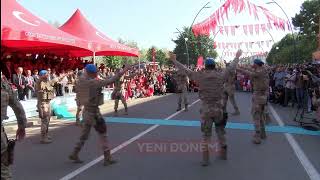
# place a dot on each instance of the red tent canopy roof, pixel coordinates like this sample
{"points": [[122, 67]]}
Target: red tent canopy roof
{"points": [[79, 26], [22, 30]]}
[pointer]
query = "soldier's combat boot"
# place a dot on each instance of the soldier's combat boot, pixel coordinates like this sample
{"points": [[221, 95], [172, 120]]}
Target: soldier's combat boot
{"points": [[263, 133], [205, 158], [126, 112], [257, 138], [116, 113], [107, 159], [179, 107], [267, 118], [78, 123], [236, 112], [75, 156], [186, 107], [45, 140], [223, 152]]}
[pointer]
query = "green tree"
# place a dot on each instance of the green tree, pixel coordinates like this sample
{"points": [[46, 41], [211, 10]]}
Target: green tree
{"points": [[112, 61], [197, 46], [308, 18], [282, 51], [307, 21], [160, 56]]}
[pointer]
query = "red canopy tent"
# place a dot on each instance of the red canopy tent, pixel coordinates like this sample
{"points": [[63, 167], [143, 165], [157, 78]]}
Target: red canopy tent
{"points": [[79, 26], [23, 31]]}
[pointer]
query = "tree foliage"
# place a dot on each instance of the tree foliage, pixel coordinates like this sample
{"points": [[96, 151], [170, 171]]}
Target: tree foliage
{"points": [[283, 51], [160, 56], [308, 18], [197, 46], [307, 21]]}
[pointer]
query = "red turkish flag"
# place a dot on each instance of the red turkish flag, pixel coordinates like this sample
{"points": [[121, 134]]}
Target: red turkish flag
{"points": [[200, 62]]}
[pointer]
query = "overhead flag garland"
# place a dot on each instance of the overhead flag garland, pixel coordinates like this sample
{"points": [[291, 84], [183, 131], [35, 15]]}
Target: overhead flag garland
{"points": [[211, 23], [245, 54], [237, 45]]}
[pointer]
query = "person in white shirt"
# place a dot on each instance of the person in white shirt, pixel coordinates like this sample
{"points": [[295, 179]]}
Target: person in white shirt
{"points": [[290, 87], [30, 84]]}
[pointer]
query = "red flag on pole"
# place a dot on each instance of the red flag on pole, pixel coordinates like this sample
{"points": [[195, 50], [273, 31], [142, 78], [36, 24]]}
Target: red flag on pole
{"points": [[200, 62]]}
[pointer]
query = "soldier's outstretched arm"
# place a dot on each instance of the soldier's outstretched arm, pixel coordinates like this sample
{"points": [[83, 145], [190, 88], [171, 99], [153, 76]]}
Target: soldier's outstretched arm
{"points": [[20, 114], [189, 72], [111, 80], [245, 71], [233, 65], [251, 73], [57, 79]]}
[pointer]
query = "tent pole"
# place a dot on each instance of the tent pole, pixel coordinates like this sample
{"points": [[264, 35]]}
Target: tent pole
{"points": [[139, 64], [94, 57]]}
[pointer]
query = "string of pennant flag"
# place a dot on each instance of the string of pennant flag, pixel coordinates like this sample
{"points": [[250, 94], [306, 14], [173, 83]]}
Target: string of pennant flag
{"points": [[248, 29], [238, 45], [218, 17], [245, 54]]}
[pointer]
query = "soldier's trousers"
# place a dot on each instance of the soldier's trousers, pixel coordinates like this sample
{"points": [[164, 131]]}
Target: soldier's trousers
{"points": [[93, 118], [5, 171], [45, 116], [259, 103], [212, 114], [182, 96], [226, 96], [79, 110], [123, 100]]}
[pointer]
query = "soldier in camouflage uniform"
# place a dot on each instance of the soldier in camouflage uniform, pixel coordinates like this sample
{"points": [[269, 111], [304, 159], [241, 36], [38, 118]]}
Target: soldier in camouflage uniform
{"points": [[79, 106], [181, 80], [260, 81], [45, 93], [229, 89], [118, 94], [210, 82], [9, 98], [91, 97]]}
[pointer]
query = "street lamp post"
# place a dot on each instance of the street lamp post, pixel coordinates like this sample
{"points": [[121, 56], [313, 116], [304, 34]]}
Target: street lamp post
{"points": [[185, 42], [294, 39], [204, 7]]}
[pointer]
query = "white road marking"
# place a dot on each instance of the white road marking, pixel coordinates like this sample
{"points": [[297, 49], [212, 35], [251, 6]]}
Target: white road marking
{"points": [[305, 162], [126, 143]]}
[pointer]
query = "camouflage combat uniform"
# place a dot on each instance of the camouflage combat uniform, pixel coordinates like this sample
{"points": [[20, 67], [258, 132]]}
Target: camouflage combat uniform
{"points": [[181, 79], [229, 89], [45, 93], [79, 106], [9, 98], [91, 97], [260, 82], [118, 94], [211, 94]]}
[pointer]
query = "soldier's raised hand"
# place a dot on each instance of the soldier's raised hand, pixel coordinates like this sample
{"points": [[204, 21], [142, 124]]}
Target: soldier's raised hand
{"points": [[173, 56], [239, 53], [21, 133]]}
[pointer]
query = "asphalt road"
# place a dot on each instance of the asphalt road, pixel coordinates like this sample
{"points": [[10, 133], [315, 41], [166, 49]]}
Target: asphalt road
{"points": [[150, 154]]}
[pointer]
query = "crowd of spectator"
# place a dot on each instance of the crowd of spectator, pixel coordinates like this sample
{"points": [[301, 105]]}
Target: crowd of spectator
{"points": [[22, 72]]}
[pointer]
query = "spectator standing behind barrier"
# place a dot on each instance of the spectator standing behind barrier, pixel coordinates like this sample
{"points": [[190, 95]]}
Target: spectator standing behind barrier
{"points": [[19, 81], [30, 86], [290, 87]]}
